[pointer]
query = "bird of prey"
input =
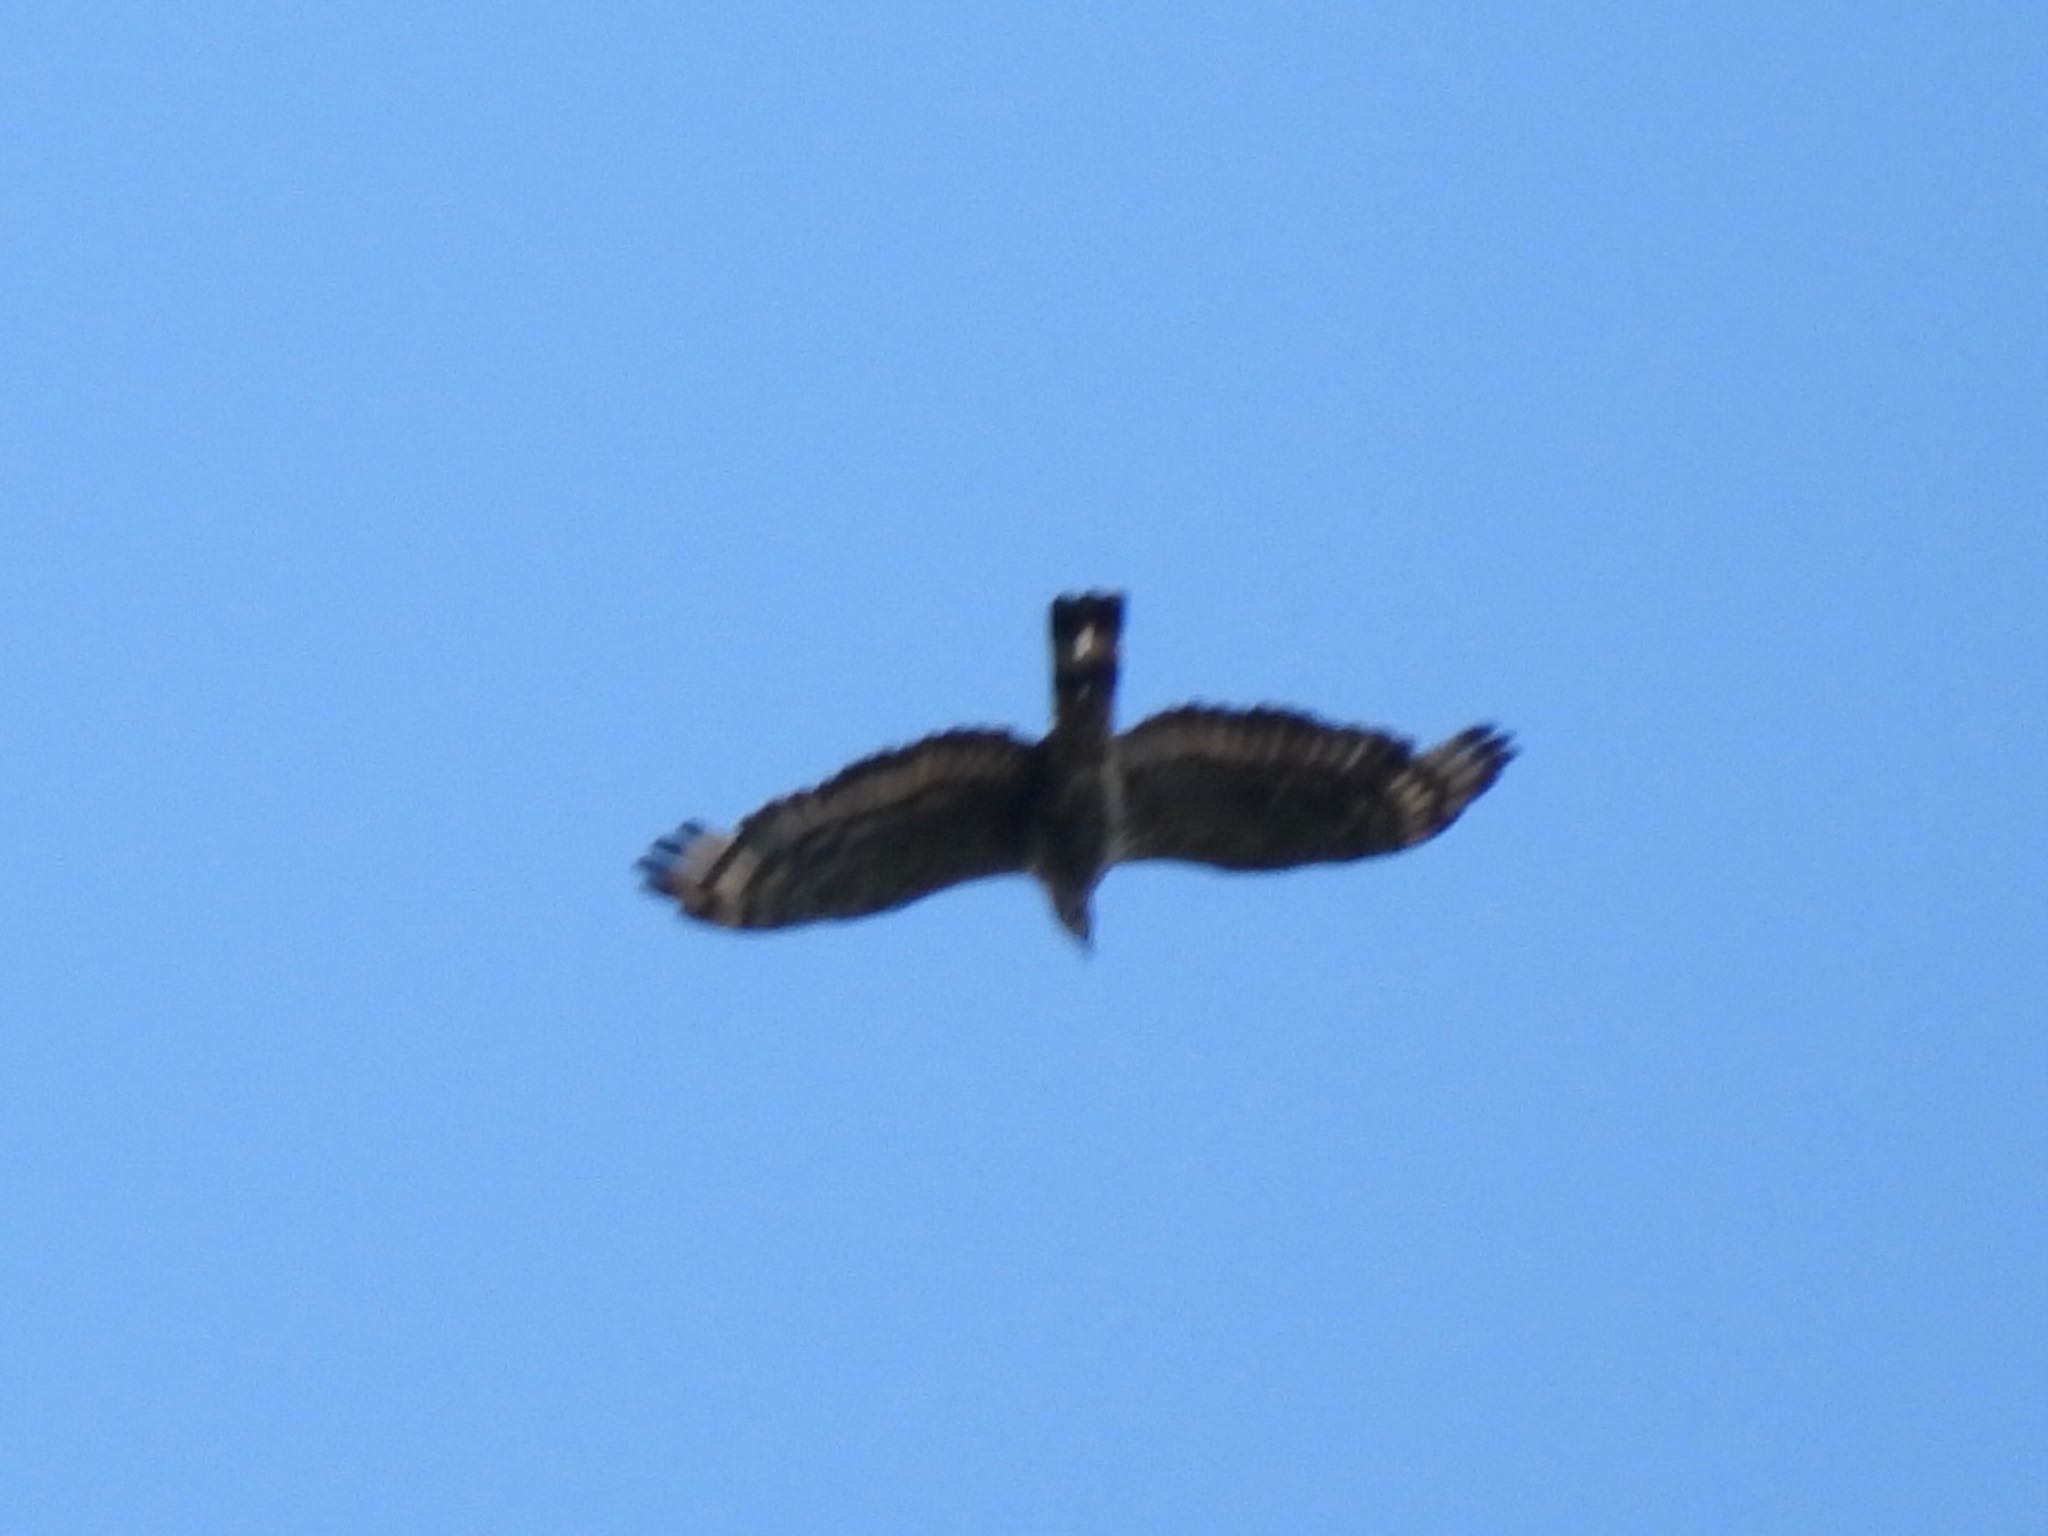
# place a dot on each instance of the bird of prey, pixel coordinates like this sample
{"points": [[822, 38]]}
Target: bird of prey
{"points": [[1240, 789]]}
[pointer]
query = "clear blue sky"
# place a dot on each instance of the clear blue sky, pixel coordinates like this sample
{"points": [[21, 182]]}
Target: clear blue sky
{"points": [[441, 447]]}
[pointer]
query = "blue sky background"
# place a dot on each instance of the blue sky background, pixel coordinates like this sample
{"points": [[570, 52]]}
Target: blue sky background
{"points": [[443, 447]]}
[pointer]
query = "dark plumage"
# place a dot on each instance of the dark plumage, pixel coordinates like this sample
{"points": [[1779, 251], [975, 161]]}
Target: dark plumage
{"points": [[1239, 789]]}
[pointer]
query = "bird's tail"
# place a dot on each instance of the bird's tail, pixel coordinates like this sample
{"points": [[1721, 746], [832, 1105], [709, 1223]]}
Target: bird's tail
{"points": [[1086, 628], [1452, 774]]}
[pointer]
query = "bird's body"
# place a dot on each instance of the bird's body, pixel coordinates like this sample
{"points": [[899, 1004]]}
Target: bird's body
{"points": [[1238, 789], [1077, 803]]}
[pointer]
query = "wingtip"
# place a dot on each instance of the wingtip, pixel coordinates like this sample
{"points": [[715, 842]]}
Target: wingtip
{"points": [[1495, 742], [1491, 748], [657, 866], [1467, 765]]}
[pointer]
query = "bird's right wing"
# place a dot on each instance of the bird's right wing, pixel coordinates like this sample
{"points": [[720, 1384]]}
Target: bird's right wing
{"points": [[1269, 788], [883, 832]]}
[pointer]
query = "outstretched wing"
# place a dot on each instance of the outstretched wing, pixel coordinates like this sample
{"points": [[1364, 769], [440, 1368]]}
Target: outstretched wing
{"points": [[1266, 788], [887, 830]]}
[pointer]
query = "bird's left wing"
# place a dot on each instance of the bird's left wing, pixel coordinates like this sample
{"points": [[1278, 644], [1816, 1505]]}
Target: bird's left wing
{"points": [[883, 832], [1269, 788]]}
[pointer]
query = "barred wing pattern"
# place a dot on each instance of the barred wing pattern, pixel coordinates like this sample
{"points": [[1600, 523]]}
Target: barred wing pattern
{"points": [[1269, 788], [879, 834]]}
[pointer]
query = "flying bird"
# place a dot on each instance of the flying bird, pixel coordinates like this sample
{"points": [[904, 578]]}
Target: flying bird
{"points": [[1240, 789]]}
